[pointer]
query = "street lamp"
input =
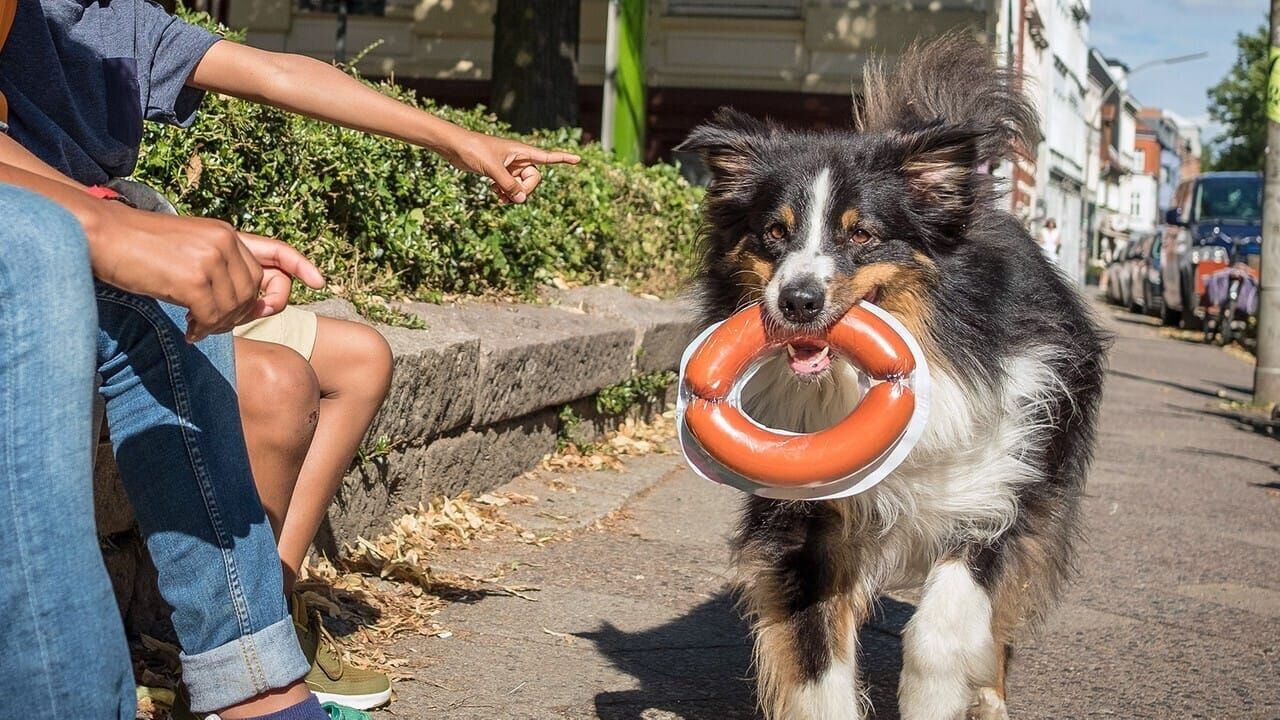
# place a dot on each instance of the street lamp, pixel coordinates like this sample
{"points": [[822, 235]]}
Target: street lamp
{"points": [[1096, 118]]}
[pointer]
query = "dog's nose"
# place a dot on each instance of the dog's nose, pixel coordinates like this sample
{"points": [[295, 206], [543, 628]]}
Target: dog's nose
{"points": [[802, 300]]}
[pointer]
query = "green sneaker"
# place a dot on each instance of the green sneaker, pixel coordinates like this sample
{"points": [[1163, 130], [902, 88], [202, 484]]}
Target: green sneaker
{"points": [[181, 709], [339, 712], [330, 679]]}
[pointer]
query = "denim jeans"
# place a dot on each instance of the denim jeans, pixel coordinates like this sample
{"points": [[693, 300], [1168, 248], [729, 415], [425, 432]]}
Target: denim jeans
{"points": [[62, 648], [176, 431]]}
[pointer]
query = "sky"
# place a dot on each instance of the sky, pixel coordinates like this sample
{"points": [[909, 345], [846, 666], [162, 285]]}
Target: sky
{"points": [[1136, 31]]}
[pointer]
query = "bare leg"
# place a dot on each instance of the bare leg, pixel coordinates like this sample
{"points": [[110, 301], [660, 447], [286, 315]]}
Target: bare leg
{"points": [[267, 702], [353, 365], [279, 402]]}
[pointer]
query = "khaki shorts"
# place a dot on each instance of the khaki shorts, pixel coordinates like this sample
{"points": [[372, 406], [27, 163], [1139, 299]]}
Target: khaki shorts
{"points": [[292, 327]]}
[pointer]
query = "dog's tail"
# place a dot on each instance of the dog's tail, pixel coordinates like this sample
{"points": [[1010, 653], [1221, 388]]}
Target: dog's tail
{"points": [[954, 80]]}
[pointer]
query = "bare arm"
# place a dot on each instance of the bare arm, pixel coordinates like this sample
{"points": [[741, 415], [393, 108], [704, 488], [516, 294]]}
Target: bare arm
{"points": [[318, 90], [16, 156], [221, 276]]}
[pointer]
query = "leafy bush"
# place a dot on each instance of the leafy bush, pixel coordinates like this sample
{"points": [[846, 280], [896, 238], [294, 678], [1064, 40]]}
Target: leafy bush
{"points": [[382, 218], [616, 399]]}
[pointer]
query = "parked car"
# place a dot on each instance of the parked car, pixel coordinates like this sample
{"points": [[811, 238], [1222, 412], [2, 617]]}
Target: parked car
{"points": [[1151, 287], [1208, 210], [1115, 271], [1143, 249]]}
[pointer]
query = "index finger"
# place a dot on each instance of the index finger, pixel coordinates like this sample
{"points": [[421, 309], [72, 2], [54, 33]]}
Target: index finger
{"points": [[552, 157], [276, 254]]}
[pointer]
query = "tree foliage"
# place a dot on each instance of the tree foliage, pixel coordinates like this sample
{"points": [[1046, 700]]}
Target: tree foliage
{"points": [[1238, 102]]}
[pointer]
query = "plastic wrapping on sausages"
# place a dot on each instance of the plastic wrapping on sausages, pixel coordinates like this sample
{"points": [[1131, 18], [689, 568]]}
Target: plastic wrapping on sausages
{"points": [[723, 444]]}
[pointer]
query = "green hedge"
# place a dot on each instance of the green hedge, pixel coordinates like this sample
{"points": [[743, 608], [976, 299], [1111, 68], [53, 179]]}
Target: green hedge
{"points": [[383, 219]]}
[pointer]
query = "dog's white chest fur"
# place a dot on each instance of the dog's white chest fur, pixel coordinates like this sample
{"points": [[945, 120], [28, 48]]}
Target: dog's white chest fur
{"points": [[960, 482]]}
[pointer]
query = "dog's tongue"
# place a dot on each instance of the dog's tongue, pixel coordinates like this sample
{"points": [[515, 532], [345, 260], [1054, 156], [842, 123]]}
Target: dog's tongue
{"points": [[808, 359]]}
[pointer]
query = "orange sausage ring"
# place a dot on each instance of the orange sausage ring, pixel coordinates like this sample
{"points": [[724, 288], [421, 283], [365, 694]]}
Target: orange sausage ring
{"points": [[785, 460]]}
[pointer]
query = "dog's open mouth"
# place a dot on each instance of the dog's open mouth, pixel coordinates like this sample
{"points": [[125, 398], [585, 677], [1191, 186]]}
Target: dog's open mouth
{"points": [[808, 357]]}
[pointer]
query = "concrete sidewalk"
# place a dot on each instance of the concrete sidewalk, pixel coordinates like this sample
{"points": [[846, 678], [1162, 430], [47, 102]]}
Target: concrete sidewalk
{"points": [[1175, 615]]}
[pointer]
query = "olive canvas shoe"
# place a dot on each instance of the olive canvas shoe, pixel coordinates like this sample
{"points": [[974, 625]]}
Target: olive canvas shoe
{"points": [[330, 679]]}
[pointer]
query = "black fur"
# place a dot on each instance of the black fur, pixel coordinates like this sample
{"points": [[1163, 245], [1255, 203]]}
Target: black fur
{"points": [[914, 173]]}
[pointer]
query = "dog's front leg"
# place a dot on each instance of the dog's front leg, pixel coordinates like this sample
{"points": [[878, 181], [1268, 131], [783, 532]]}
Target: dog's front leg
{"points": [[948, 650], [808, 603]]}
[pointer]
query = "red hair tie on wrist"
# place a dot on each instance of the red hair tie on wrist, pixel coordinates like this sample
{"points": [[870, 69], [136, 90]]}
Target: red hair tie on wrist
{"points": [[102, 192]]}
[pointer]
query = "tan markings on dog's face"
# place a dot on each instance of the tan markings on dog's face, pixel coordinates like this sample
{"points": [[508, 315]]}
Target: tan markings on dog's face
{"points": [[845, 291], [751, 273], [899, 289], [788, 217], [849, 218]]}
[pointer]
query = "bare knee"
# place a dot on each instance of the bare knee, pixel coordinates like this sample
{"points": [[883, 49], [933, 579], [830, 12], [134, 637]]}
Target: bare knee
{"points": [[279, 395], [373, 353], [354, 361]]}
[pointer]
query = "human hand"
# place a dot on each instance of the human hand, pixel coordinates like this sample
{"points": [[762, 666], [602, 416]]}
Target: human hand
{"points": [[511, 165], [280, 265], [221, 276]]}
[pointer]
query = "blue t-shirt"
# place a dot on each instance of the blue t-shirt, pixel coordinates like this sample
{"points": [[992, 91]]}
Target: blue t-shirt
{"points": [[80, 76]]}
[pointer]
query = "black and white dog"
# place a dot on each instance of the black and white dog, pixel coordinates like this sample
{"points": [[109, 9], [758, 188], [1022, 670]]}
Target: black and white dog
{"points": [[984, 513]]}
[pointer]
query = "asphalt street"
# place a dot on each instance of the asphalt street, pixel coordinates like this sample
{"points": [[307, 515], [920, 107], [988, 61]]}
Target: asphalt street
{"points": [[1176, 613]]}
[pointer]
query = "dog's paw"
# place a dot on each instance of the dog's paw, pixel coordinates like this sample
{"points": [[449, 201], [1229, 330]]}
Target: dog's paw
{"points": [[987, 706]]}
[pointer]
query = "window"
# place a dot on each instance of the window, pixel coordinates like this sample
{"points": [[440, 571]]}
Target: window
{"points": [[354, 7], [744, 8], [1238, 198]]}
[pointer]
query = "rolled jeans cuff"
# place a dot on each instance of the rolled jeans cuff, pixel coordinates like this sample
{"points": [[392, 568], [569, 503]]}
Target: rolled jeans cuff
{"points": [[244, 668]]}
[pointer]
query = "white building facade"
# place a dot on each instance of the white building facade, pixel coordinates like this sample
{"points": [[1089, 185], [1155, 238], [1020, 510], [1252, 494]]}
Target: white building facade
{"points": [[1047, 41], [1124, 200]]}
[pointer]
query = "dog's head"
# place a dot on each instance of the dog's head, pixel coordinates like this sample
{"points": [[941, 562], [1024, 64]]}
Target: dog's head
{"points": [[810, 223]]}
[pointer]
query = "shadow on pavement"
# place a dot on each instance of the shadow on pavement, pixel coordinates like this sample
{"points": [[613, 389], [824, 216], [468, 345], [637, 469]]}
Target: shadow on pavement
{"points": [[698, 667], [1244, 420], [1247, 392], [1273, 467], [1167, 383]]}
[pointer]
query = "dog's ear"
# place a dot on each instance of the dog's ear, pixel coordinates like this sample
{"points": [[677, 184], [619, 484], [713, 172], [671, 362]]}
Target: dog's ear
{"points": [[730, 143], [939, 164]]}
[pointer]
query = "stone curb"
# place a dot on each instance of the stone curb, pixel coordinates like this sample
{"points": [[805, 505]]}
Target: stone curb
{"points": [[532, 356], [662, 329]]}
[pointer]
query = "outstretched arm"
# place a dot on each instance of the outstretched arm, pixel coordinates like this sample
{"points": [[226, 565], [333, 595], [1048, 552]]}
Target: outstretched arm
{"points": [[319, 90]]}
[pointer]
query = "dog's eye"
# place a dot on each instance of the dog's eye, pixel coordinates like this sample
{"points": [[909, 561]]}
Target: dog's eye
{"points": [[860, 236], [776, 231]]}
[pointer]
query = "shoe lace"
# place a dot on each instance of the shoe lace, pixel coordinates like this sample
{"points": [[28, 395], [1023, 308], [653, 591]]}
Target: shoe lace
{"points": [[331, 647]]}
